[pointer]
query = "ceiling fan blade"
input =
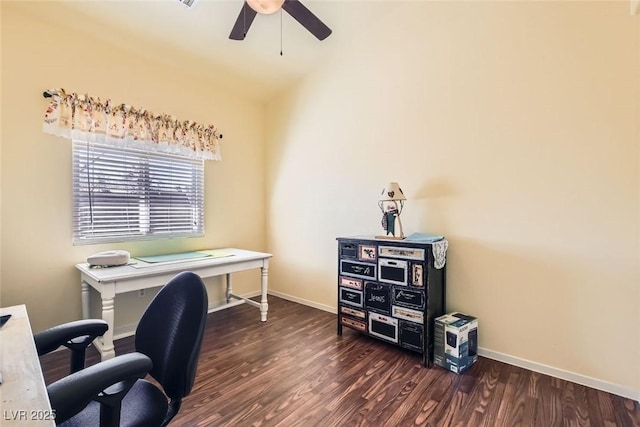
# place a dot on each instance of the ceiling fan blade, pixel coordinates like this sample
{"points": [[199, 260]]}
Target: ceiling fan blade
{"points": [[240, 28], [308, 20]]}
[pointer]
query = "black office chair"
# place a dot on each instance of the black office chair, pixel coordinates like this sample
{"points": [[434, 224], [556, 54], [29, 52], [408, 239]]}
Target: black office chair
{"points": [[167, 342], [76, 336]]}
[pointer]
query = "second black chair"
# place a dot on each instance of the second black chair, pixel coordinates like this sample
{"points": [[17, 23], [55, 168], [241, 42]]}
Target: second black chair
{"points": [[167, 343]]}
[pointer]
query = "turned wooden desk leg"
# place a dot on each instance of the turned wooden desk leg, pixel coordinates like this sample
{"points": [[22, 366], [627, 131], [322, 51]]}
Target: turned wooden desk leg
{"points": [[229, 288], [85, 299], [108, 306], [264, 305]]}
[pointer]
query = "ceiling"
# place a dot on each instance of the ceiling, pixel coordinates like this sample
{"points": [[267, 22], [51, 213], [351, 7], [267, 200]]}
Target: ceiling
{"points": [[197, 37]]}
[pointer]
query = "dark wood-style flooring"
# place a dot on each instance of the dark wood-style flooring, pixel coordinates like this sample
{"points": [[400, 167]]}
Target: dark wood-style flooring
{"points": [[293, 370]]}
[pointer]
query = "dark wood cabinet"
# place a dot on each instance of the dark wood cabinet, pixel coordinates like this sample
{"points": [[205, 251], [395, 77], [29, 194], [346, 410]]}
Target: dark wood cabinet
{"points": [[391, 290]]}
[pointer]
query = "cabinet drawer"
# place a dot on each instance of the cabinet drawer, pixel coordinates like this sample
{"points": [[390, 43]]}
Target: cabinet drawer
{"points": [[417, 274], [407, 314], [384, 327], [411, 336], [348, 282], [350, 296], [408, 297], [393, 271], [404, 253], [348, 250], [377, 297], [353, 312], [367, 253], [357, 269], [353, 323]]}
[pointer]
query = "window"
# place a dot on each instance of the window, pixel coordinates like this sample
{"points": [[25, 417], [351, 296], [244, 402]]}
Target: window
{"points": [[124, 194]]}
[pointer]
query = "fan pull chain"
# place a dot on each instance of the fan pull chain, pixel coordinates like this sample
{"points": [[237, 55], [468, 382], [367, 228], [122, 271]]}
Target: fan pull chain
{"points": [[280, 31]]}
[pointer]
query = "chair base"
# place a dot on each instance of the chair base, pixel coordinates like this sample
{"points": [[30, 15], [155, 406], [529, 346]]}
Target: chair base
{"points": [[144, 405]]}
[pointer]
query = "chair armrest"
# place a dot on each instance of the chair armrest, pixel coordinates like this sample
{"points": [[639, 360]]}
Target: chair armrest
{"points": [[50, 339], [71, 394]]}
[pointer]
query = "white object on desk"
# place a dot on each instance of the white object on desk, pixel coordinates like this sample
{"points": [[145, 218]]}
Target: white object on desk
{"points": [[23, 394], [109, 258], [117, 280]]}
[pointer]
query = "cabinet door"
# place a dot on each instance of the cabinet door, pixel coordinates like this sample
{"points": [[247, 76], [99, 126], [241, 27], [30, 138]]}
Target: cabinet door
{"points": [[377, 297], [408, 297], [411, 335]]}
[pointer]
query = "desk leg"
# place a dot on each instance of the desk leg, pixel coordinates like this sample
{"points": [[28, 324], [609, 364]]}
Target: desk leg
{"points": [[264, 305], [108, 306], [85, 299], [229, 289]]}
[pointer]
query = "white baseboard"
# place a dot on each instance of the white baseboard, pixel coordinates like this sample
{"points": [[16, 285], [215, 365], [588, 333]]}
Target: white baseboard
{"points": [[562, 374], [304, 302], [512, 360]]}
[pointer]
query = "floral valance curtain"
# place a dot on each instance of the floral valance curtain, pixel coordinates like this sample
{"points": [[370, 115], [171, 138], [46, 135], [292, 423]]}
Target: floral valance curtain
{"points": [[83, 117]]}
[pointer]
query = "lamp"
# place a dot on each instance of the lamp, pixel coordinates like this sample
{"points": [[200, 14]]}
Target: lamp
{"points": [[391, 202], [265, 7]]}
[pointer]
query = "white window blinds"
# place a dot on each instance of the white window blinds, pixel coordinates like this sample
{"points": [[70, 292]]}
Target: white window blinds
{"points": [[124, 194]]}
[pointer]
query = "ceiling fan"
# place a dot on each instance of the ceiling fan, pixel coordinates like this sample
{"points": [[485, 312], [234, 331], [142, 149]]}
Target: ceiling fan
{"points": [[266, 7]]}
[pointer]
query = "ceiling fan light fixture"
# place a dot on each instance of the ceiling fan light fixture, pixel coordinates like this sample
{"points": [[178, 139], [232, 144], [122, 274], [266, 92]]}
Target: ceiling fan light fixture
{"points": [[295, 8], [265, 7]]}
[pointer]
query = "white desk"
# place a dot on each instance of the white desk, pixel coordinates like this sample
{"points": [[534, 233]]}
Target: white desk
{"points": [[23, 395], [117, 280]]}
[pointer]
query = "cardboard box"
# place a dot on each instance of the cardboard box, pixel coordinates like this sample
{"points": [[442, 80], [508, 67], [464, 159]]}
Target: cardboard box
{"points": [[456, 341]]}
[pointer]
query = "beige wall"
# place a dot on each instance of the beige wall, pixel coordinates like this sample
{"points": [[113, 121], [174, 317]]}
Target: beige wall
{"points": [[513, 130], [37, 253]]}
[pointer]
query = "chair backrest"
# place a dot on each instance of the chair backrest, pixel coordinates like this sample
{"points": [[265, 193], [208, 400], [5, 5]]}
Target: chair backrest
{"points": [[170, 333]]}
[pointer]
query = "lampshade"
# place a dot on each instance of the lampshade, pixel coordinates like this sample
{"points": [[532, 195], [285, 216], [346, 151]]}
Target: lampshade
{"points": [[392, 192], [265, 7]]}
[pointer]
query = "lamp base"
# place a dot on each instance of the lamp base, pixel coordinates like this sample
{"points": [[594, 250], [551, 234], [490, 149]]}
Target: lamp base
{"points": [[389, 238]]}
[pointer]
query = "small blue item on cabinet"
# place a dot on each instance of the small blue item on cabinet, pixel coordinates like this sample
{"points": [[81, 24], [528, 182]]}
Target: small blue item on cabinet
{"points": [[424, 238]]}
